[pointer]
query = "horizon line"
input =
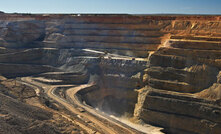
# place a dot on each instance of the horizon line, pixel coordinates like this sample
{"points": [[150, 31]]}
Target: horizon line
{"points": [[140, 14]]}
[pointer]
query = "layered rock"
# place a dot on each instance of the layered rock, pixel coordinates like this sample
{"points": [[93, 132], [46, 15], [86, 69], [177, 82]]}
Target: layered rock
{"points": [[187, 64], [169, 66]]}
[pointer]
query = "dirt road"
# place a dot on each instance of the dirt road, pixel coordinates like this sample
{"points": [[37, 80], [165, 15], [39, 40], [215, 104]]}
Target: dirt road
{"points": [[100, 122]]}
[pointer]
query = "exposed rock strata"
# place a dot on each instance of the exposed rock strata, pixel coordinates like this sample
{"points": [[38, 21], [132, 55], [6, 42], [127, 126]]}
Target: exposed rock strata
{"points": [[163, 69]]}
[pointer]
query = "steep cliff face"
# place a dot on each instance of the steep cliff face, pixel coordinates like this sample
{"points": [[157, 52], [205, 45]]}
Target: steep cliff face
{"points": [[182, 78], [164, 70]]}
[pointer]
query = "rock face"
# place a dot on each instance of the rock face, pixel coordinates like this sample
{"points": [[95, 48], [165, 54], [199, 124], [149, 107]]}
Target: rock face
{"points": [[182, 76], [164, 70], [20, 33]]}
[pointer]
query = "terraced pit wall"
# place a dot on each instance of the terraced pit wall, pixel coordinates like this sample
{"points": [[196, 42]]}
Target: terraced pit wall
{"points": [[164, 70]]}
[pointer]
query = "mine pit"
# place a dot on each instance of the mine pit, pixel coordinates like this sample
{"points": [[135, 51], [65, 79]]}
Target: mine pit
{"points": [[112, 73]]}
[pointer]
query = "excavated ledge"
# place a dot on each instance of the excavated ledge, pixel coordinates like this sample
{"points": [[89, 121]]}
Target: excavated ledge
{"points": [[162, 70]]}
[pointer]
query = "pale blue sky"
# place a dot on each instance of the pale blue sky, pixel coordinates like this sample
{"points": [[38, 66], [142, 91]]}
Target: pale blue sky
{"points": [[112, 6]]}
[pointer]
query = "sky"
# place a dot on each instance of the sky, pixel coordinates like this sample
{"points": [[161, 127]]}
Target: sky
{"points": [[112, 6]]}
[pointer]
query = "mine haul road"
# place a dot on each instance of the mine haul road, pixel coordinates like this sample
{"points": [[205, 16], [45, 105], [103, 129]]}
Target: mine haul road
{"points": [[101, 123]]}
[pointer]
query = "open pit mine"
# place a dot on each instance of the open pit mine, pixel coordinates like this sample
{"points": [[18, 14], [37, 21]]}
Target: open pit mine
{"points": [[110, 74]]}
